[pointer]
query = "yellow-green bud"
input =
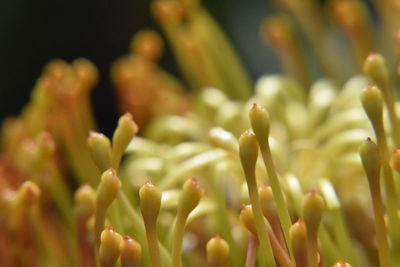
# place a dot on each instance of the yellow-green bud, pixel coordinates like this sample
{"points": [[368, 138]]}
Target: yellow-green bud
{"points": [[27, 195], [100, 148], [260, 122], [298, 237], [150, 201], [108, 188], [313, 208], [371, 99], [267, 201], [217, 252], [375, 68], [342, 264], [190, 196], [248, 148], [123, 134], [131, 252], [85, 200], [370, 158], [247, 219], [109, 247]]}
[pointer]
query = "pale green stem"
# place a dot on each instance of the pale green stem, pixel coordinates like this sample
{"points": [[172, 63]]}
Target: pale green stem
{"points": [[283, 212], [266, 256], [391, 194]]}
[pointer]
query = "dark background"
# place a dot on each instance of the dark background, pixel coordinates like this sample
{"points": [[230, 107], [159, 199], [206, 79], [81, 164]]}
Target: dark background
{"points": [[32, 32]]}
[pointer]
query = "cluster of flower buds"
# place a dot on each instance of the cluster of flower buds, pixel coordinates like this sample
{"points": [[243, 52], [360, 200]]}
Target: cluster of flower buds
{"points": [[311, 182]]}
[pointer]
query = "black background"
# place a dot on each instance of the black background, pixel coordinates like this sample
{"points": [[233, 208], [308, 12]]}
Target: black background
{"points": [[32, 32]]}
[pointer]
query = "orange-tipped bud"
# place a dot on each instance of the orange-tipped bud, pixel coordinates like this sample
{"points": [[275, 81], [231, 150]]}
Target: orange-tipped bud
{"points": [[86, 71], [27, 195], [247, 219], [131, 252], [298, 237], [148, 45], [109, 247]]}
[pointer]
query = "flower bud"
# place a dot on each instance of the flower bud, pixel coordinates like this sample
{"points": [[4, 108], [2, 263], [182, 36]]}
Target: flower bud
{"points": [[375, 68], [247, 219], [109, 247], [86, 71], [260, 122], [100, 148], [147, 44], [248, 148], [298, 237], [313, 207], [123, 135], [371, 99], [131, 252], [342, 264], [267, 202], [108, 188], [217, 252], [27, 195], [85, 201], [190, 196], [150, 202]]}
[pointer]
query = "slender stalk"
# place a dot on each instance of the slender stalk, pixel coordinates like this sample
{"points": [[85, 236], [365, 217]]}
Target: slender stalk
{"points": [[248, 155], [251, 251], [259, 119]]}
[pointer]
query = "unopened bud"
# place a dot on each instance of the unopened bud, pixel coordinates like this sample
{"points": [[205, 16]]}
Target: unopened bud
{"points": [[248, 148], [85, 200], [131, 252], [372, 101], [375, 68], [27, 195], [313, 208], [298, 237], [150, 201], [260, 122], [109, 247], [247, 219], [123, 135], [217, 252], [190, 196], [108, 188], [100, 148], [342, 264]]}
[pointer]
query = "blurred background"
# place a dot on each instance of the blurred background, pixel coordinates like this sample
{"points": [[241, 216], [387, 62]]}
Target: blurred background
{"points": [[34, 32]]}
